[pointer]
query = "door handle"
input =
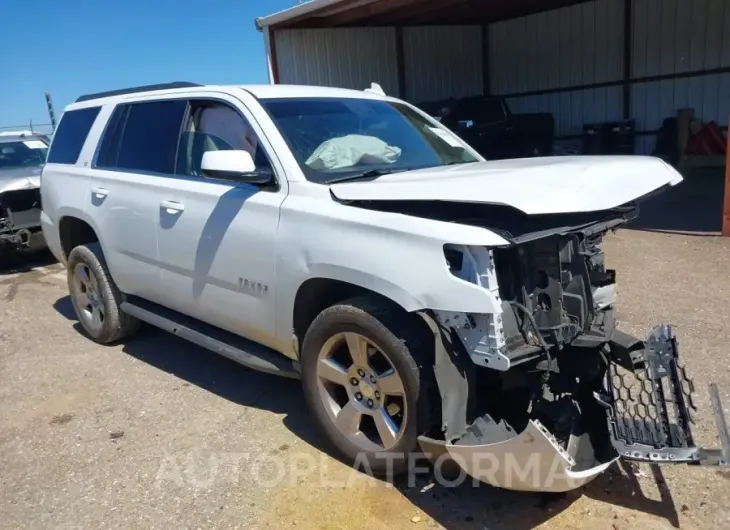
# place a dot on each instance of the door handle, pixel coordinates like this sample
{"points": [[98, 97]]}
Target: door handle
{"points": [[100, 192], [172, 207]]}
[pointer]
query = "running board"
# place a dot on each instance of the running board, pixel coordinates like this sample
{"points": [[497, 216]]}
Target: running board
{"points": [[238, 349]]}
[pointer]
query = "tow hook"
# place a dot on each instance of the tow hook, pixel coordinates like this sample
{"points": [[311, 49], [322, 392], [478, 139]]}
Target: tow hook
{"points": [[23, 237]]}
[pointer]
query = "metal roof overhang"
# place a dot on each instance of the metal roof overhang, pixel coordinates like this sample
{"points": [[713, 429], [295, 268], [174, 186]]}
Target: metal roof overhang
{"points": [[352, 13]]}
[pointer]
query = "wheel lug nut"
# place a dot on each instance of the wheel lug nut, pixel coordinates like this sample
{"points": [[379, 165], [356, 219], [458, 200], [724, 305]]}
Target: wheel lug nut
{"points": [[377, 395], [361, 372], [370, 403], [353, 381], [358, 396], [372, 378]]}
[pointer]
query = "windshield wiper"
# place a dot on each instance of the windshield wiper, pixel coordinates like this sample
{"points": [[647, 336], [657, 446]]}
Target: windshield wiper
{"points": [[370, 174]]}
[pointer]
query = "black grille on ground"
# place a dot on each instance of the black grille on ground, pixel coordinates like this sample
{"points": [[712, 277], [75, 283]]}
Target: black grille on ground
{"points": [[650, 409]]}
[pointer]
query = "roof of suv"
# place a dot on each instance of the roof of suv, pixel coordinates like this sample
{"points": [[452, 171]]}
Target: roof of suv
{"points": [[306, 91], [259, 91]]}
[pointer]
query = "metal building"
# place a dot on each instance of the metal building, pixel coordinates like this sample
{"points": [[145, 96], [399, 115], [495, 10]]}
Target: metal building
{"points": [[584, 61]]}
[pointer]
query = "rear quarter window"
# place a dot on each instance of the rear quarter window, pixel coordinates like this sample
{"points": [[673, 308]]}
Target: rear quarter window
{"points": [[69, 137]]}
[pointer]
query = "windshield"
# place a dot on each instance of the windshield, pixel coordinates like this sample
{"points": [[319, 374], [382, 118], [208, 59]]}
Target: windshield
{"points": [[336, 138], [23, 153]]}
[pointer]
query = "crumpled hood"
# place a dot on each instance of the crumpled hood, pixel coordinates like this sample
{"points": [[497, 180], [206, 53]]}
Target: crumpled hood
{"points": [[22, 178], [541, 185]]}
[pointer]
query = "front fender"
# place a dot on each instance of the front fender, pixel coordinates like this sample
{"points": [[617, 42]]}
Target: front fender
{"points": [[398, 256], [446, 292], [366, 280]]}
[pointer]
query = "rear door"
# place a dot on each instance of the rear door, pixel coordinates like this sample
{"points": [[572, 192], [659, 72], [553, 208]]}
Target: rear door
{"points": [[137, 152]]}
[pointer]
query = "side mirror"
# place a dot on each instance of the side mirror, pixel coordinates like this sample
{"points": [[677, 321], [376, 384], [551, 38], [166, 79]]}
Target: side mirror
{"points": [[233, 165]]}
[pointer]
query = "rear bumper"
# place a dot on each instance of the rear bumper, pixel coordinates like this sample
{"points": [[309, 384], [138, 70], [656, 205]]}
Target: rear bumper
{"points": [[52, 236]]}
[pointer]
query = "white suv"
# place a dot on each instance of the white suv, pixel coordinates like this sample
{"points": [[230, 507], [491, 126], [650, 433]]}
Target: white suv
{"points": [[424, 296]]}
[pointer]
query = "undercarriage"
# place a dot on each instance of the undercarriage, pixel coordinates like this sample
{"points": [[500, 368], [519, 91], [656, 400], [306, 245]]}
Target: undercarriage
{"points": [[547, 394], [20, 226]]}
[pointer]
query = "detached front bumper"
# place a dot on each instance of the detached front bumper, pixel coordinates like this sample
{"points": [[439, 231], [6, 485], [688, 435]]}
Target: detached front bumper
{"points": [[648, 399], [530, 461]]}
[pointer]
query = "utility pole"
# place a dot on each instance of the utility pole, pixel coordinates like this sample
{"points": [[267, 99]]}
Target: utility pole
{"points": [[51, 112]]}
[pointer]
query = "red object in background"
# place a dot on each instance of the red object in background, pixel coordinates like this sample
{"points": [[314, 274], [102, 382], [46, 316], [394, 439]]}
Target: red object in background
{"points": [[709, 140]]}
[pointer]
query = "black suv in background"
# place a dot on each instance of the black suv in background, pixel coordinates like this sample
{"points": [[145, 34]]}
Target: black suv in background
{"points": [[488, 125]]}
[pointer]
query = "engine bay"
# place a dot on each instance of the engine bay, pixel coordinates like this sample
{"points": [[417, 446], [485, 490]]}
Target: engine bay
{"points": [[550, 288], [555, 334]]}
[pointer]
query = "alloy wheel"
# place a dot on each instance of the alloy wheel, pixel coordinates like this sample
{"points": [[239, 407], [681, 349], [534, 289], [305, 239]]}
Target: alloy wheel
{"points": [[87, 297], [361, 391]]}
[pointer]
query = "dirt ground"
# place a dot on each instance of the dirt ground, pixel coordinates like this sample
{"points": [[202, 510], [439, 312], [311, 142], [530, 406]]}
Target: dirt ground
{"points": [[157, 433]]}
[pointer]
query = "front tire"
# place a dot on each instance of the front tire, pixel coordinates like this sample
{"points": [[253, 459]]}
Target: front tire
{"points": [[95, 297], [366, 368]]}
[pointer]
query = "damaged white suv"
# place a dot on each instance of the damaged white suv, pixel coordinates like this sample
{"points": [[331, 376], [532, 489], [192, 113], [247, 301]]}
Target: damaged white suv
{"points": [[426, 298]]}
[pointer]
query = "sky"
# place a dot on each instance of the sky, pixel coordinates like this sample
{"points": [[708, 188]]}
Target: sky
{"points": [[74, 47]]}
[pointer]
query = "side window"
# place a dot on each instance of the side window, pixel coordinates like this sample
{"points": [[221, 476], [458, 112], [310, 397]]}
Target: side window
{"points": [[214, 126], [71, 134], [108, 154], [143, 136]]}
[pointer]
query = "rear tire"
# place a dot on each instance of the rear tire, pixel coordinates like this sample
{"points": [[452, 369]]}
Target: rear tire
{"points": [[95, 297], [383, 397]]}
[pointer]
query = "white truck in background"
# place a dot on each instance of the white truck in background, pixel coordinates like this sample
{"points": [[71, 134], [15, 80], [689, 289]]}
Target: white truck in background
{"points": [[22, 155]]}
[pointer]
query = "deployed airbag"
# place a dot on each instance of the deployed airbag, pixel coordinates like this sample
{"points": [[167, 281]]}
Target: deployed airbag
{"points": [[352, 150]]}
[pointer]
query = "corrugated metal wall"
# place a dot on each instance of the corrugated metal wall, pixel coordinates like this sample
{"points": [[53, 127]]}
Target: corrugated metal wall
{"points": [[675, 36], [572, 109], [341, 57], [672, 36], [572, 46], [442, 62], [583, 44]]}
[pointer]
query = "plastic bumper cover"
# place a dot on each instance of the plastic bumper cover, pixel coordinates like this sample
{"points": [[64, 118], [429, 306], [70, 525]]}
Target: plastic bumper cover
{"points": [[530, 461]]}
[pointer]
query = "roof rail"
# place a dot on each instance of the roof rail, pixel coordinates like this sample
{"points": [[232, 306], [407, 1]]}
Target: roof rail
{"points": [[132, 90]]}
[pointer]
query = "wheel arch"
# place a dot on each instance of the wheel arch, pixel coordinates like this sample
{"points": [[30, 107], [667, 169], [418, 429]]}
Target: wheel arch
{"points": [[73, 231], [319, 292]]}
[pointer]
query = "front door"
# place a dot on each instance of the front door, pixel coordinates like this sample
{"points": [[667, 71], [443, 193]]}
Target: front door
{"points": [[217, 238]]}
